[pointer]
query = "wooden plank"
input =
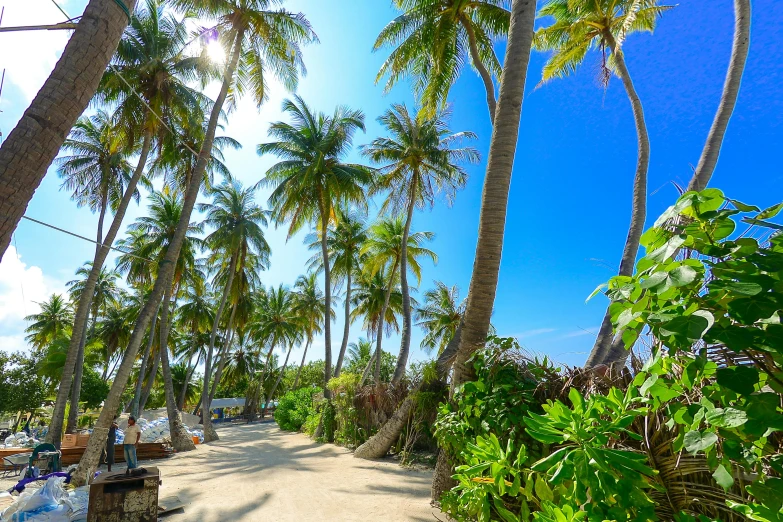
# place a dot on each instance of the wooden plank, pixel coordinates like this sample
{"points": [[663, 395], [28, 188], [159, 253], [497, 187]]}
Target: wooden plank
{"points": [[168, 504]]}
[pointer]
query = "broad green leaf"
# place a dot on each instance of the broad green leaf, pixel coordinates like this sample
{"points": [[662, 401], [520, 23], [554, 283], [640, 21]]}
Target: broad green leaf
{"points": [[769, 492], [696, 441], [740, 379], [504, 513], [682, 275], [543, 491], [751, 309], [742, 206], [726, 418], [735, 337], [723, 478], [770, 212], [596, 291], [548, 462]]}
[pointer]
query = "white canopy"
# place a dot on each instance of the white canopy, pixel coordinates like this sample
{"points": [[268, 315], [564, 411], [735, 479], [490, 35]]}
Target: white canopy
{"points": [[227, 403]]}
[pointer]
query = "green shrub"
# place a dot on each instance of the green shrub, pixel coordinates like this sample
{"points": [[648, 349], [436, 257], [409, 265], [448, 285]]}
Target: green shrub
{"points": [[294, 408]]}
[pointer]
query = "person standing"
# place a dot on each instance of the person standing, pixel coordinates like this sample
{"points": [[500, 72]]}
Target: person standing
{"points": [[111, 440], [132, 438]]}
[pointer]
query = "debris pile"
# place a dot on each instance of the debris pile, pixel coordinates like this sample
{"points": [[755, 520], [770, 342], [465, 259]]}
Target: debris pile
{"points": [[21, 440], [50, 503]]}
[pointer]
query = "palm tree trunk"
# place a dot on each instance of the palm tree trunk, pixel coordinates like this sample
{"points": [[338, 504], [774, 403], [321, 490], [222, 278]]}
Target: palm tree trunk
{"points": [[494, 200], [92, 455], [209, 431], [347, 327], [603, 352], [381, 323], [73, 412], [366, 371], [35, 141], [180, 439], [224, 354], [134, 409], [277, 383], [405, 345], [739, 55], [85, 300], [150, 382], [486, 78], [299, 371], [188, 375], [380, 443], [327, 300]]}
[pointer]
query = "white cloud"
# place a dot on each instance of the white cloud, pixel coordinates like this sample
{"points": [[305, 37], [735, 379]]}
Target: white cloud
{"points": [[21, 288], [30, 56], [593, 331]]}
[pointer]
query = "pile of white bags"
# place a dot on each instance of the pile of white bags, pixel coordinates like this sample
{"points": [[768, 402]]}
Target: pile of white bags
{"points": [[158, 430], [51, 503], [20, 440]]}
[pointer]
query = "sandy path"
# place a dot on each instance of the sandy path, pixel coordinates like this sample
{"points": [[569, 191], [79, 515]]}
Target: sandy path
{"points": [[257, 472]]}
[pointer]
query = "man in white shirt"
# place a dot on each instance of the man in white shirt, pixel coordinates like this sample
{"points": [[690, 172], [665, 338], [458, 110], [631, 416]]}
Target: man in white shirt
{"points": [[132, 437]]}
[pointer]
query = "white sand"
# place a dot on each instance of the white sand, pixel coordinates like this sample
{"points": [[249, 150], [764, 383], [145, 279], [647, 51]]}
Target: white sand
{"points": [[258, 472]]}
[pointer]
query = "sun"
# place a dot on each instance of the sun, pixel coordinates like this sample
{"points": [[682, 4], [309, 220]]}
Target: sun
{"points": [[216, 52]]}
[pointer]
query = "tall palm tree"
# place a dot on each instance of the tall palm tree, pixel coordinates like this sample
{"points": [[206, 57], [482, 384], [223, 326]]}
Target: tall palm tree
{"points": [[52, 321], [432, 40], [97, 171], [312, 180], [419, 160], [29, 149], [344, 243], [739, 55], [388, 241], [278, 323], [148, 70], [309, 305], [106, 292], [377, 299], [237, 236], [359, 351], [604, 24], [196, 315], [440, 316], [492, 219]]}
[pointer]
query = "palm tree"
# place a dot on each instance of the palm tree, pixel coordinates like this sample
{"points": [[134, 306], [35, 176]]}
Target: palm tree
{"points": [[433, 39], [312, 179], [739, 55], [604, 24], [148, 70], [237, 236], [419, 161], [29, 149], [196, 316], [377, 299], [309, 305], [489, 247], [344, 242], [50, 323], [97, 171], [278, 323], [359, 351], [440, 316], [387, 242], [106, 292]]}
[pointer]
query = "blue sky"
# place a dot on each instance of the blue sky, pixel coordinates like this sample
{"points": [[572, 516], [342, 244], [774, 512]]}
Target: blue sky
{"points": [[570, 195]]}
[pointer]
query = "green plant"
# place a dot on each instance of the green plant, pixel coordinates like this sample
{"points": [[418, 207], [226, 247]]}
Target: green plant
{"points": [[347, 428], [294, 408]]}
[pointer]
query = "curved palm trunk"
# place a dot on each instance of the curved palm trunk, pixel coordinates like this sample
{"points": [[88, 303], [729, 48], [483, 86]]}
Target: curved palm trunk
{"points": [[134, 408], [209, 431], [346, 328], [367, 368], [405, 345], [486, 78], [299, 371], [606, 350], [277, 383], [150, 382], [327, 301], [76, 388], [180, 439], [494, 202], [35, 141], [85, 301], [739, 55], [92, 454]]}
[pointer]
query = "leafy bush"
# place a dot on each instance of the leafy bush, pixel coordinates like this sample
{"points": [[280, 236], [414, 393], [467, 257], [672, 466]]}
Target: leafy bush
{"points": [[347, 430], [294, 408]]}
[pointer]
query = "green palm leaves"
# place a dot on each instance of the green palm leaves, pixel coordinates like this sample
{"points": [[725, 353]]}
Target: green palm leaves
{"points": [[383, 249], [52, 321], [581, 26], [440, 315], [433, 38], [312, 180]]}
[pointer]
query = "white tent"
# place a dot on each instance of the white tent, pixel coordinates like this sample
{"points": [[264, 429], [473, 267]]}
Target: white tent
{"points": [[227, 403]]}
